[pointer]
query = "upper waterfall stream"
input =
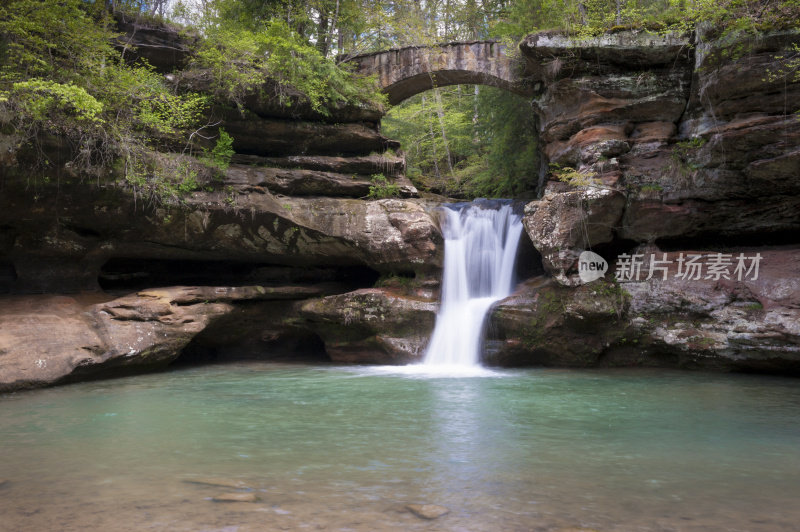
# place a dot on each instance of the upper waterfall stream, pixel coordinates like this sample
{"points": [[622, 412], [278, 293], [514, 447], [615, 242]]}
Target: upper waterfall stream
{"points": [[481, 240]]}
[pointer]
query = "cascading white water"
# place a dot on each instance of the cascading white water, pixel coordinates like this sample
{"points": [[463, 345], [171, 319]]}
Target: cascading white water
{"points": [[481, 240]]}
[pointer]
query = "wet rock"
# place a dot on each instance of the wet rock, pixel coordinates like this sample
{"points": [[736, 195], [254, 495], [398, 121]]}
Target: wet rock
{"points": [[46, 340], [564, 223], [427, 511], [372, 325], [721, 324], [544, 323], [235, 497]]}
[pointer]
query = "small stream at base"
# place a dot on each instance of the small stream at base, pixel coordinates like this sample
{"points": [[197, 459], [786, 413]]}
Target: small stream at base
{"points": [[346, 448]]}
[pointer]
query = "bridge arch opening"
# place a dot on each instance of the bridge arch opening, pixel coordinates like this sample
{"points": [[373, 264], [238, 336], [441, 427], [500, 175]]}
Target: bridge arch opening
{"points": [[425, 81], [468, 140]]}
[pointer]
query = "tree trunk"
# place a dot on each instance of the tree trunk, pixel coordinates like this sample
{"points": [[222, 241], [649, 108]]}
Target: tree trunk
{"points": [[322, 32], [440, 114], [329, 37], [582, 11], [433, 147]]}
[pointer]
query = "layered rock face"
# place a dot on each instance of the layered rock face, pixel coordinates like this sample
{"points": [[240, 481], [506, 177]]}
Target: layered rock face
{"points": [[291, 219], [695, 150]]}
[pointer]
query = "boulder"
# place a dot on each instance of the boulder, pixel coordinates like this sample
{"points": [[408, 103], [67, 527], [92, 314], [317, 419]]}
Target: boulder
{"points": [[564, 223], [544, 323], [708, 322], [376, 326], [218, 482], [236, 497]]}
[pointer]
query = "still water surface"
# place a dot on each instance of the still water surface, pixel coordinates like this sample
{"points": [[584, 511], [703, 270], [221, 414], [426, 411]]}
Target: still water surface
{"points": [[346, 448]]}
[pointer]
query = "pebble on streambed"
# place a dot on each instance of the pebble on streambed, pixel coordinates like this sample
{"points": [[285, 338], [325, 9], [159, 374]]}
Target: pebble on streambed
{"points": [[219, 483], [427, 511], [236, 497]]}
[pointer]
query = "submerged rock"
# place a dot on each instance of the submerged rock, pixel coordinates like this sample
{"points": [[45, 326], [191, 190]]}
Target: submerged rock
{"points": [[427, 511], [218, 482], [235, 497]]}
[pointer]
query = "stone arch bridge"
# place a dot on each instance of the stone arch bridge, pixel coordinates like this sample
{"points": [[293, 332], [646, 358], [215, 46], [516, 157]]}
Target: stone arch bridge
{"points": [[404, 72]]}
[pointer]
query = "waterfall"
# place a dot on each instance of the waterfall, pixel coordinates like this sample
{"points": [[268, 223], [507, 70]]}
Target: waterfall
{"points": [[480, 245]]}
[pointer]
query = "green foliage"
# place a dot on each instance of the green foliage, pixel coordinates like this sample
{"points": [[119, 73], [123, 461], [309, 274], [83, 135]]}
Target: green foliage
{"points": [[60, 75], [163, 178], [234, 59], [241, 60], [787, 70], [651, 187], [584, 18], [220, 155], [573, 177], [468, 141], [618, 297], [381, 188], [684, 151], [55, 40], [41, 99]]}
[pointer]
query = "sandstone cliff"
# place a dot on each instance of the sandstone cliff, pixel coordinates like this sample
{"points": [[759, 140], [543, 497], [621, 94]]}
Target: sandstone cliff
{"points": [[693, 143]]}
